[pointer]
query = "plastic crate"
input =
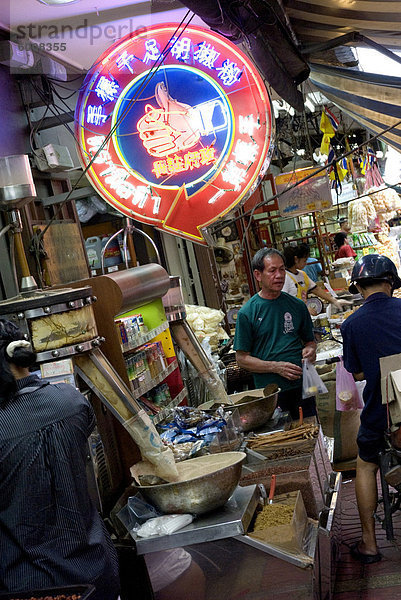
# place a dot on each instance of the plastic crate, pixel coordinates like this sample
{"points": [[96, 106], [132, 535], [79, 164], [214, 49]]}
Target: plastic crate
{"points": [[83, 591]]}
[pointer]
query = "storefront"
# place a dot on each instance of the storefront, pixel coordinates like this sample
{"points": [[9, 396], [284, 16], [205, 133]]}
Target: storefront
{"points": [[125, 267]]}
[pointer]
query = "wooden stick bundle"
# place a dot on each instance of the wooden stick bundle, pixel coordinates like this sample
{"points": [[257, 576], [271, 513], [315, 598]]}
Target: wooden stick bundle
{"points": [[303, 432]]}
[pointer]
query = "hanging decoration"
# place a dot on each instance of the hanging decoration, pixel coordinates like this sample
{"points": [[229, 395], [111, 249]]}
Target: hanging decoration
{"points": [[328, 125], [337, 171], [178, 125]]}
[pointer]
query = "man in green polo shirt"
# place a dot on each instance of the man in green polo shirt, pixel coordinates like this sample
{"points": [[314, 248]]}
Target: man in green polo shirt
{"points": [[274, 333]]}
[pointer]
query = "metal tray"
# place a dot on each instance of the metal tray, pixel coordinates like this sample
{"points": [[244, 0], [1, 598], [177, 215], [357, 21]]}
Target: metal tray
{"points": [[85, 591]]}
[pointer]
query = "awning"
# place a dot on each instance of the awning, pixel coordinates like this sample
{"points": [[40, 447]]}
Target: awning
{"points": [[323, 20], [372, 100]]}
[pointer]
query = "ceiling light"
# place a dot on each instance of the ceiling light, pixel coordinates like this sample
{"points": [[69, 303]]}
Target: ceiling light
{"points": [[57, 2]]}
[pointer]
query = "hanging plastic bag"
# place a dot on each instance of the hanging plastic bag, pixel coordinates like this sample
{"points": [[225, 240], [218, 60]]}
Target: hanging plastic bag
{"points": [[347, 394], [312, 384]]}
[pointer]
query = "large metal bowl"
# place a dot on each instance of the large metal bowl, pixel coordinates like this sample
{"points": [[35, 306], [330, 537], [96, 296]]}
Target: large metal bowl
{"points": [[252, 413], [199, 494], [255, 413]]}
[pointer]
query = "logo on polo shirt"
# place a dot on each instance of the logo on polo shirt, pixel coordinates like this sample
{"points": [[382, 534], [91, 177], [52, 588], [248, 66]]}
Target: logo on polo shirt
{"points": [[288, 324]]}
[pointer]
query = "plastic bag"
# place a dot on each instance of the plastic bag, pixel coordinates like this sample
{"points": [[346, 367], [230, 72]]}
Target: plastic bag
{"points": [[312, 384], [164, 525], [347, 394], [140, 510]]}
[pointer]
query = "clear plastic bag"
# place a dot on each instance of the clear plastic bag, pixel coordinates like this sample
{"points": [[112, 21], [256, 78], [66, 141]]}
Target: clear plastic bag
{"points": [[312, 383], [164, 525], [347, 394]]}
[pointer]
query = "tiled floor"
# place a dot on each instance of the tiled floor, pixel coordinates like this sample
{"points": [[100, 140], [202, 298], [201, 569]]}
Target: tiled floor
{"points": [[379, 581]]}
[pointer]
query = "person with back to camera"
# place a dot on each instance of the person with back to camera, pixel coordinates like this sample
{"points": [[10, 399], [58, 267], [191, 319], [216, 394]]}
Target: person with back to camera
{"points": [[298, 283], [372, 332], [51, 534], [344, 250], [274, 333], [313, 268]]}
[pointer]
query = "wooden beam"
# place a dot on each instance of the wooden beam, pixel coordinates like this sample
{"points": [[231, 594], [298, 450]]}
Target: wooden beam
{"points": [[49, 122], [83, 192]]}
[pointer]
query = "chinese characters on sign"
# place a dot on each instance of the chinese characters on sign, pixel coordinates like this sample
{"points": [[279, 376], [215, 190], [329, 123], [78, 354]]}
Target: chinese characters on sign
{"points": [[176, 128]]}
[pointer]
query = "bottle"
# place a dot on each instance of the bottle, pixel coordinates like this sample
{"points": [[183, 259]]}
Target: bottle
{"points": [[93, 246], [112, 255]]}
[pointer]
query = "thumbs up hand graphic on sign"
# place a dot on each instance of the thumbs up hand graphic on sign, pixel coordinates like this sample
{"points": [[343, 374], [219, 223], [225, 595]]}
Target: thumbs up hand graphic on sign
{"points": [[167, 129]]}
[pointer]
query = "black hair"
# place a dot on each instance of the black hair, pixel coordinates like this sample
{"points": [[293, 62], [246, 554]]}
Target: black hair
{"points": [[22, 357], [339, 239], [303, 250], [293, 252], [343, 220], [258, 263]]}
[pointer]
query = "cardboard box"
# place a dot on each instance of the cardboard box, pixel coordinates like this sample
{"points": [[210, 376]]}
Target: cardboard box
{"points": [[390, 368], [338, 284]]}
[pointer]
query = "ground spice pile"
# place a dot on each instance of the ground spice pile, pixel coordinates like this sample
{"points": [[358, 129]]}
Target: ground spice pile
{"points": [[274, 514]]}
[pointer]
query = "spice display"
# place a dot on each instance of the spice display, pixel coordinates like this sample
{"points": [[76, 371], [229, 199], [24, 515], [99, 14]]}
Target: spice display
{"points": [[303, 432], [288, 452], [274, 514]]}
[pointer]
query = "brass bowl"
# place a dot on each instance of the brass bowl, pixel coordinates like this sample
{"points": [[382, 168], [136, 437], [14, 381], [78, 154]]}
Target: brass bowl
{"points": [[198, 494]]}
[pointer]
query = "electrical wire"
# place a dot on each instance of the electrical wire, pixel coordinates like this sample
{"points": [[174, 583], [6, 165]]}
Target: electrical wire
{"points": [[58, 115], [307, 177], [151, 73], [73, 93]]}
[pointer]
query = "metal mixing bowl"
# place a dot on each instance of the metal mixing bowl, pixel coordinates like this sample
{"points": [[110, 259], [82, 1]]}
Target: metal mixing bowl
{"points": [[255, 413], [201, 494]]}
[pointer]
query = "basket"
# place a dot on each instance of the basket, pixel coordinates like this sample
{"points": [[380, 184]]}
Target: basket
{"points": [[80, 591]]}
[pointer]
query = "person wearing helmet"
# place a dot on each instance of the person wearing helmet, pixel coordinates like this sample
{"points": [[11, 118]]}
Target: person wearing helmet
{"points": [[372, 332]]}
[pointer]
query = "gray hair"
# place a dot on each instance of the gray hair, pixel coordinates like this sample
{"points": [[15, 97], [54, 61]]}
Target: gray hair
{"points": [[258, 263]]}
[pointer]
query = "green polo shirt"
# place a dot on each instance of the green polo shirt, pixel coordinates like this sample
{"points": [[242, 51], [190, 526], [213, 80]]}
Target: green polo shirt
{"points": [[274, 330]]}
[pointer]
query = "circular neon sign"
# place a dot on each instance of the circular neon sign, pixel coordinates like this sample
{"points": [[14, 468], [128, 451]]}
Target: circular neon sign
{"points": [[180, 126]]}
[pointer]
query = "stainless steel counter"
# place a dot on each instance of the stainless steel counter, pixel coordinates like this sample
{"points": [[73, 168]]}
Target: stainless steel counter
{"points": [[229, 521]]}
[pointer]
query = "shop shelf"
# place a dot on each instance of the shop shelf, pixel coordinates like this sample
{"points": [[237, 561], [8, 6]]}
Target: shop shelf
{"points": [[149, 385], [144, 338], [175, 402]]}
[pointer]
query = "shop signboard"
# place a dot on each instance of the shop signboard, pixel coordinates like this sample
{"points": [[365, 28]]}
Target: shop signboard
{"points": [[175, 127], [347, 193], [311, 195]]}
